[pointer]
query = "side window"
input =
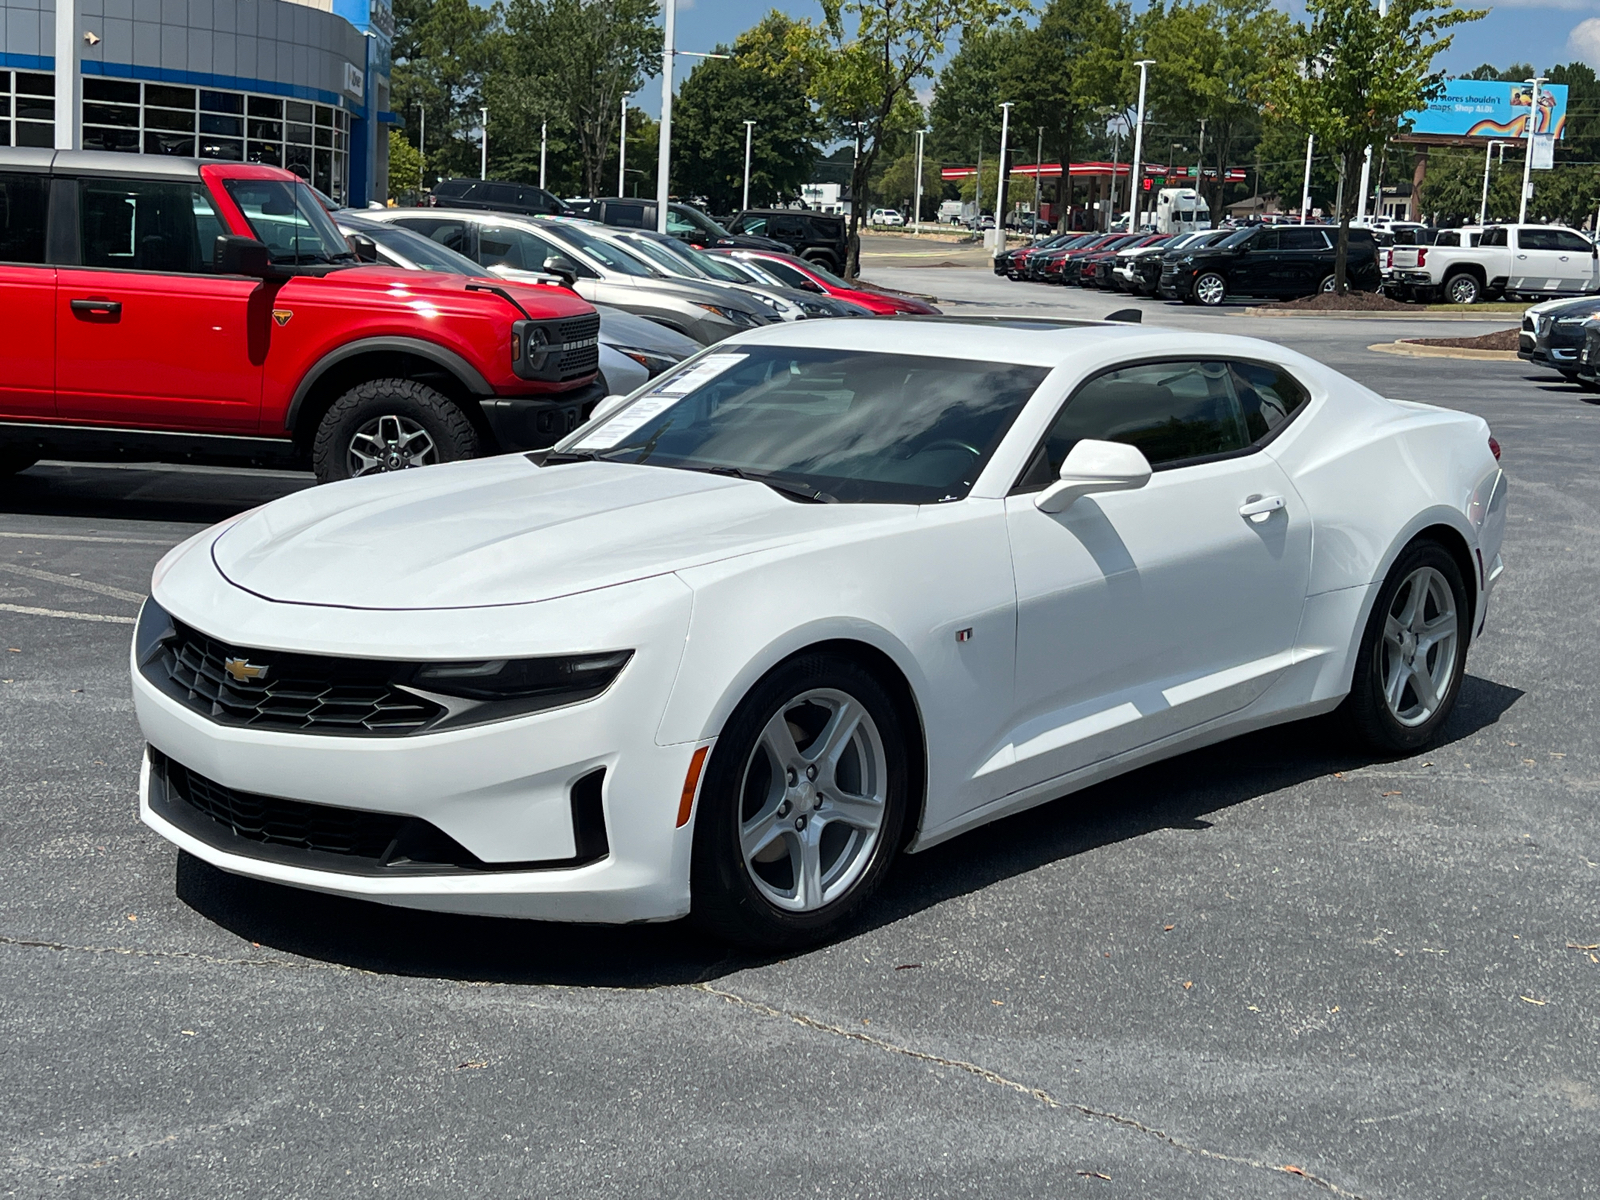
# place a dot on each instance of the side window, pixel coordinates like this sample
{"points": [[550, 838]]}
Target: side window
{"points": [[1302, 239], [755, 226], [788, 227], [1569, 242], [679, 226], [451, 234], [1493, 237], [23, 204], [1268, 397], [1172, 411], [133, 225], [516, 248], [1536, 239], [825, 231], [208, 225], [1267, 239]]}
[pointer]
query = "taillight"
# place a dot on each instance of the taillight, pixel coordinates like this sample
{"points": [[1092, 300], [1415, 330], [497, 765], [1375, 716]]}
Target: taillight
{"points": [[1388, 261], [1422, 258], [1494, 449]]}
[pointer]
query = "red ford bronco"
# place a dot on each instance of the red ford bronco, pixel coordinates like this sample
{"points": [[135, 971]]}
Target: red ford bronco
{"points": [[173, 310]]}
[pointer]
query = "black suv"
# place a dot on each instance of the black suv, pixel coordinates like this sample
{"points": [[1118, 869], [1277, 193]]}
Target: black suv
{"points": [[684, 221], [523, 198], [1281, 261], [816, 237]]}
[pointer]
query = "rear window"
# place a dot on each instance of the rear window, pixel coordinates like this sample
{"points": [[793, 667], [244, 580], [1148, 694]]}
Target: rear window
{"points": [[23, 203], [455, 188]]}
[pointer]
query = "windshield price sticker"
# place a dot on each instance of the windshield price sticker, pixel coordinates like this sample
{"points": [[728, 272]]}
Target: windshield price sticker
{"points": [[648, 407]]}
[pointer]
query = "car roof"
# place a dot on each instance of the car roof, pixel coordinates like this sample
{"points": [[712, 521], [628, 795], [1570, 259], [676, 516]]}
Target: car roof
{"points": [[140, 166]]}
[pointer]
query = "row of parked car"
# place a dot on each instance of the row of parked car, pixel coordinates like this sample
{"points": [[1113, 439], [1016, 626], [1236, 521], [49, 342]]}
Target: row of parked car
{"points": [[167, 309], [1200, 267]]}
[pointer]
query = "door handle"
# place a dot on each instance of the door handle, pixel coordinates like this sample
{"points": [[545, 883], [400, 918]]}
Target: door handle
{"points": [[111, 308], [1257, 509]]}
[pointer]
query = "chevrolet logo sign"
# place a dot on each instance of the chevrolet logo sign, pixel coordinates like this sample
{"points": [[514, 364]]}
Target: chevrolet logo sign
{"points": [[243, 670]]}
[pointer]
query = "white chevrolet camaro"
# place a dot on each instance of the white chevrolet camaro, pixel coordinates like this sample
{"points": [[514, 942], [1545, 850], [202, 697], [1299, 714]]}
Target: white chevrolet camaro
{"points": [[825, 593]]}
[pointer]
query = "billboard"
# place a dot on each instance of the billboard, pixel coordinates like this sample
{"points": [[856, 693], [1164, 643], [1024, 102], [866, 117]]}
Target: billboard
{"points": [[1491, 109]]}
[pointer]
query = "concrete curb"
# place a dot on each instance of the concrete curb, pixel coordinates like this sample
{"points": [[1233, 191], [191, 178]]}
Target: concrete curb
{"points": [[1412, 350], [1257, 311]]}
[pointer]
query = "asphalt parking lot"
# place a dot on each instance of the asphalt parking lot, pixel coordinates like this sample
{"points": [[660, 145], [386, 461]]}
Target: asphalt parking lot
{"points": [[1271, 968]]}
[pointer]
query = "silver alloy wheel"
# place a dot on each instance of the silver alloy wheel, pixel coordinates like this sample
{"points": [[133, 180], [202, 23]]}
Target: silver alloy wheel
{"points": [[1329, 284], [1209, 289], [390, 443], [812, 800], [1420, 640], [1463, 289]]}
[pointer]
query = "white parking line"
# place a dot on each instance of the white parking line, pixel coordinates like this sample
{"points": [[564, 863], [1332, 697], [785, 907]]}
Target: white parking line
{"points": [[80, 537], [103, 589], [71, 616]]}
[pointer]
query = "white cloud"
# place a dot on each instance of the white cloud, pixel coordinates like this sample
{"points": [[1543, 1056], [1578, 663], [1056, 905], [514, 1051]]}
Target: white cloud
{"points": [[1584, 41], [1565, 5]]}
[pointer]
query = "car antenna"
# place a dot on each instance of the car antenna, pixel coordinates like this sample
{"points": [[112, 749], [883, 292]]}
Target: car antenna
{"points": [[504, 295], [1131, 315]]}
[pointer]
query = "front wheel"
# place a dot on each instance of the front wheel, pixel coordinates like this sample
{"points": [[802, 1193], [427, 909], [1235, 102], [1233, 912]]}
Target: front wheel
{"points": [[1328, 284], [1462, 289], [803, 805], [1413, 653], [390, 425], [1210, 289]]}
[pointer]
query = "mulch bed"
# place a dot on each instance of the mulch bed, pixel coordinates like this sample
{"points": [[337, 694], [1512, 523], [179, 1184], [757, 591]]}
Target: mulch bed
{"points": [[1349, 302], [1500, 339]]}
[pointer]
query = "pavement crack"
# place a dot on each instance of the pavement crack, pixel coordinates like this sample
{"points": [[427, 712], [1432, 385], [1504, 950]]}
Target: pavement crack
{"points": [[1036, 1093], [187, 955]]}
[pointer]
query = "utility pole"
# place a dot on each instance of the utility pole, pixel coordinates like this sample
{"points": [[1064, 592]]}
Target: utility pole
{"points": [[1527, 161], [917, 209], [748, 126], [1305, 188], [622, 151], [544, 138], [1038, 178], [664, 155], [1144, 65], [422, 149], [1000, 187], [483, 143]]}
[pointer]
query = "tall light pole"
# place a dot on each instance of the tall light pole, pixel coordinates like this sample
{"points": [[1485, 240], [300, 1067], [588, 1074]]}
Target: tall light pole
{"points": [[483, 143], [664, 154], [748, 126], [1305, 188], [422, 149], [916, 211], [1366, 182], [544, 138], [1527, 161], [1483, 202], [68, 111], [1116, 151], [1144, 65], [622, 150], [1038, 174], [1000, 176]]}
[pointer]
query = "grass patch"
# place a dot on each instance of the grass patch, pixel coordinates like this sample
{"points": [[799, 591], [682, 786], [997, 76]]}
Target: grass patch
{"points": [[1493, 306]]}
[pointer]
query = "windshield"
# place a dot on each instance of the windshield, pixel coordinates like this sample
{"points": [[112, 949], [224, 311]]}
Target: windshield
{"points": [[1239, 237], [288, 218], [421, 252], [714, 267], [606, 253], [681, 218], [663, 257], [827, 276], [851, 426]]}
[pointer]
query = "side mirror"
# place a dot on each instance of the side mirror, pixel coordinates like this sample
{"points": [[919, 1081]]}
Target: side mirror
{"points": [[234, 254], [606, 406], [563, 267], [1094, 466], [364, 247]]}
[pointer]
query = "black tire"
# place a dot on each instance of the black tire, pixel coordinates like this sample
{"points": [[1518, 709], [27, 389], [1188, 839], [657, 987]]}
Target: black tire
{"points": [[826, 261], [416, 406], [16, 458], [1204, 293], [1463, 288], [726, 900], [1328, 284], [1368, 712]]}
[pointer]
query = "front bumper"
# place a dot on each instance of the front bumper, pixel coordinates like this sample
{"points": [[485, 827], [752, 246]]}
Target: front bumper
{"points": [[503, 792], [533, 422]]}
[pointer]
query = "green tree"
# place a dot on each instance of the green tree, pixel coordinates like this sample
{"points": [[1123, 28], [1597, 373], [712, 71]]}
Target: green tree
{"points": [[405, 164], [1349, 75], [442, 51], [964, 114], [898, 184], [760, 83], [863, 62]]}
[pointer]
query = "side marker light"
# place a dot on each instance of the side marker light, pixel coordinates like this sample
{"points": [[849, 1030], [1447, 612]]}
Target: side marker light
{"points": [[691, 785]]}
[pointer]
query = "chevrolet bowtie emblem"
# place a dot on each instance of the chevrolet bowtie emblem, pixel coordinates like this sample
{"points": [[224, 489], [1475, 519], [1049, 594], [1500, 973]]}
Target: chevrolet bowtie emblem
{"points": [[282, 315], [243, 670]]}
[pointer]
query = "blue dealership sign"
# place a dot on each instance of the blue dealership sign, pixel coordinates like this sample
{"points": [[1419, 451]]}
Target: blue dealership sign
{"points": [[1491, 109]]}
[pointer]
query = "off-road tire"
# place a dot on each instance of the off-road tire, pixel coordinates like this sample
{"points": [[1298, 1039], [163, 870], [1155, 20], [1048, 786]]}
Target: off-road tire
{"points": [[726, 901], [451, 431], [1365, 710]]}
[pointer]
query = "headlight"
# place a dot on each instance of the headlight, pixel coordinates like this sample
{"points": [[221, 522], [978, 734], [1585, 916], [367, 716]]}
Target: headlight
{"points": [[732, 315], [651, 361], [531, 683]]}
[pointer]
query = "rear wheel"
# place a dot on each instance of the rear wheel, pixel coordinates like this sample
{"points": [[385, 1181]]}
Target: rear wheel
{"points": [[1328, 284], [390, 425], [1413, 653], [803, 805], [1463, 288], [1210, 289]]}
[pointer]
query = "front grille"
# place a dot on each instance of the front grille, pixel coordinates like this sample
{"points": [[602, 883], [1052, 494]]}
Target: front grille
{"points": [[269, 689], [579, 338], [349, 840]]}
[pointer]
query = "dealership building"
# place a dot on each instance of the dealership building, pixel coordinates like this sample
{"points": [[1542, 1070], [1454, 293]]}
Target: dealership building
{"points": [[302, 84]]}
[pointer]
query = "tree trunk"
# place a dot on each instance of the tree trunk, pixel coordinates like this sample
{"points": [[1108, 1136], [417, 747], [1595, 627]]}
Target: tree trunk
{"points": [[1341, 253]]}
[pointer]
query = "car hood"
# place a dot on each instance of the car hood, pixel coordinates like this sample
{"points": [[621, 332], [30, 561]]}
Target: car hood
{"points": [[619, 328], [503, 531]]}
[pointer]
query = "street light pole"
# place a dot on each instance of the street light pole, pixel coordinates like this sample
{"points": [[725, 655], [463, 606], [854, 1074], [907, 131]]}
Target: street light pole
{"points": [[483, 162], [1116, 151], [1483, 202], [1144, 65], [622, 150], [1038, 172], [422, 149], [664, 155], [1527, 160], [544, 137], [916, 217], [1000, 177], [1305, 188], [748, 126], [1366, 181]]}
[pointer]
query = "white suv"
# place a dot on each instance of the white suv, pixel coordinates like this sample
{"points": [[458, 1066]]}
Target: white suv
{"points": [[886, 216]]}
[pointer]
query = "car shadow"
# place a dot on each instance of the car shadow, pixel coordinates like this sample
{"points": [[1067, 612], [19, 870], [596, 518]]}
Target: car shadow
{"points": [[1180, 793], [137, 492]]}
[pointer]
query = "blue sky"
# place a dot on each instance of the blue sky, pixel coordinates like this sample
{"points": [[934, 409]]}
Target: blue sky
{"points": [[1543, 32]]}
